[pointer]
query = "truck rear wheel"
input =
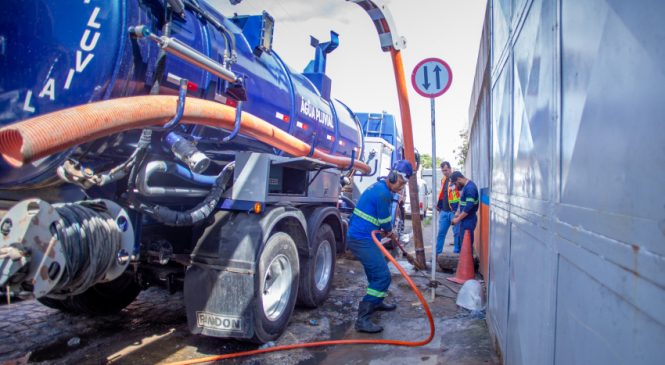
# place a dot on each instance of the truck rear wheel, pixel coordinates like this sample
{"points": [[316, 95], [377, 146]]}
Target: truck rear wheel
{"points": [[100, 299], [317, 271], [277, 287]]}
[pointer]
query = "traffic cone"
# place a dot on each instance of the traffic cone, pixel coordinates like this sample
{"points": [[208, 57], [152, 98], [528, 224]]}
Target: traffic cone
{"points": [[465, 264]]}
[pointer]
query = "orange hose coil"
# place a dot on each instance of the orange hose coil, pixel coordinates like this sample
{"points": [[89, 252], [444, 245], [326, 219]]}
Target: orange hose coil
{"points": [[39, 137], [337, 342]]}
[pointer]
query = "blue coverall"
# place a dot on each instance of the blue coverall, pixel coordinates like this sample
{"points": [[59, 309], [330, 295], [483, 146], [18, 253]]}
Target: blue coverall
{"points": [[372, 212], [468, 202]]}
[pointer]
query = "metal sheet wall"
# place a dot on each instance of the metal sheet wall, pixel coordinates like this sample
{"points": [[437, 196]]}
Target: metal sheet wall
{"points": [[577, 166]]}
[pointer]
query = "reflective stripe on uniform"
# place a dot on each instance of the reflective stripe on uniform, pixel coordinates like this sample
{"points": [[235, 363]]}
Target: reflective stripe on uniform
{"points": [[384, 220], [376, 293], [375, 221]]}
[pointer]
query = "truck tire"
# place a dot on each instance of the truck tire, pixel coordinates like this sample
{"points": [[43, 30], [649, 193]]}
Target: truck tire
{"points": [[277, 276], [100, 299], [317, 272]]}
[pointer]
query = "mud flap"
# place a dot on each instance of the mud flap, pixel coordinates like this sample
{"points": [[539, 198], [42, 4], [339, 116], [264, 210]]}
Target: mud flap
{"points": [[219, 285], [219, 302], [219, 288]]}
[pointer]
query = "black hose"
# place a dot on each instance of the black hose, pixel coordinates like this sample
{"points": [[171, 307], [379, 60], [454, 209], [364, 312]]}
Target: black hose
{"points": [[200, 212], [90, 239]]}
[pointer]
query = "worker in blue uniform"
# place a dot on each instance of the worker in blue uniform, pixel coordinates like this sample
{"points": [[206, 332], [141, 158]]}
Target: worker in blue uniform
{"points": [[468, 205], [373, 212]]}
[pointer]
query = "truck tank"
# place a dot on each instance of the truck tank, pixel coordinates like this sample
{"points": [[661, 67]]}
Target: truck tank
{"points": [[158, 142], [61, 54]]}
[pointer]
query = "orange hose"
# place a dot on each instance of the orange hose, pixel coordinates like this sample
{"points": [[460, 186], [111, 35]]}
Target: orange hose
{"points": [[44, 135], [336, 342]]}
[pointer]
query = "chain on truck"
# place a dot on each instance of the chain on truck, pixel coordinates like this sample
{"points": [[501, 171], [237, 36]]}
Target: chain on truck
{"points": [[161, 142]]}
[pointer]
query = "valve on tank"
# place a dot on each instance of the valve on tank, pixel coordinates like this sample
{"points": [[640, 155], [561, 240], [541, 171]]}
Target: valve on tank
{"points": [[186, 151]]}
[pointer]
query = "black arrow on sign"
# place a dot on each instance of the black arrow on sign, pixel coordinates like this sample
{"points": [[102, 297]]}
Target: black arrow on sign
{"points": [[426, 84], [437, 69]]}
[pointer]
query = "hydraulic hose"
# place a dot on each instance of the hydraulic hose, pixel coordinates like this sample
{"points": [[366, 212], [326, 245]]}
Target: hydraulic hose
{"points": [[182, 172], [337, 342], [198, 213], [32, 139]]}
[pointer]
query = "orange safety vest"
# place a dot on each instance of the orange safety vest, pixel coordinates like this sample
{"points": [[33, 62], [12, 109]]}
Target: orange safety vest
{"points": [[453, 194]]}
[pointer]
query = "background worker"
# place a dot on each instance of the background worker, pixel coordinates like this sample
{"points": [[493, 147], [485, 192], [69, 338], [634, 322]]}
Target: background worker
{"points": [[446, 205], [373, 212], [468, 204]]}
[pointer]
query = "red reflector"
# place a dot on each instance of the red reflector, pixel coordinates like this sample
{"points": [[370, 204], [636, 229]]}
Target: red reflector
{"points": [[192, 86], [231, 102], [286, 118]]}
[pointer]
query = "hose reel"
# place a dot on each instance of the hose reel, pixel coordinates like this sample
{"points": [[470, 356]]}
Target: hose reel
{"points": [[63, 249]]}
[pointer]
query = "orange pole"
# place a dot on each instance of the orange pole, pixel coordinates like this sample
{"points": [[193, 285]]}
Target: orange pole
{"points": [[405, 112]]}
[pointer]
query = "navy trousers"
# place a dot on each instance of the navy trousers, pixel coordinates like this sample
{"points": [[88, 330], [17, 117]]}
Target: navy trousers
{"points": [[376, 269]]}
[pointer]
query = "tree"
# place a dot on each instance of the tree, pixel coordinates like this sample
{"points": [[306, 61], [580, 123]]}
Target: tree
{"points": [[461, 152], [426, 161]]}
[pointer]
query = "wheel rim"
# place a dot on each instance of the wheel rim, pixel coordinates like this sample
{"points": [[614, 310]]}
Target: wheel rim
{"points": [[277, 283], [323, 265]]}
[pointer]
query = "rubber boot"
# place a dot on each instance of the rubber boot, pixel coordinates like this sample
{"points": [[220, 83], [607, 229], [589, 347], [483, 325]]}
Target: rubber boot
{"points": [[364, 324], [383, 306]]}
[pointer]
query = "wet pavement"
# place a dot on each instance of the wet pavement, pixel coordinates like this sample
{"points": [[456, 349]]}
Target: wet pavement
{"points": [[153, 328]]}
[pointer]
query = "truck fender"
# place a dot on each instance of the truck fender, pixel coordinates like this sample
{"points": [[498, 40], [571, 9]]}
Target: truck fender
{"points": [[316, 216]]}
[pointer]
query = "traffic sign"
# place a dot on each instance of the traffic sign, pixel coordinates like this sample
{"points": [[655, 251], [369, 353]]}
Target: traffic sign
{"points": [[431, 77]]}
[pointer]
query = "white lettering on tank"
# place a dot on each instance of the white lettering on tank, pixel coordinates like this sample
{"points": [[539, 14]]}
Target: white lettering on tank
{"points": [[26, 104], [92, 22], [86, 44], [84, 41], [312, 112], [70, 76], [48, 89], [80, 65]]}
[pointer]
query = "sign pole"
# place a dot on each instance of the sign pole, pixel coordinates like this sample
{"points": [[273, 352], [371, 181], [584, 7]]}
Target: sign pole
{"points": [[435, 213], [431, 78]]}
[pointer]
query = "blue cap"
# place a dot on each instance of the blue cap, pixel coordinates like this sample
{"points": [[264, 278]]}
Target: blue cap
{"points": [[404, 167]]}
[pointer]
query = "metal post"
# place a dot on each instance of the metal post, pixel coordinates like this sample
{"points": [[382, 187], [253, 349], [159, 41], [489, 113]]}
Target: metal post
{"points": [[435, 213]]}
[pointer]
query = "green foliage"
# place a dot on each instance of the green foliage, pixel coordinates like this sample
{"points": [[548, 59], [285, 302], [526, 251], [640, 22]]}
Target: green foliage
{"points": [[461, 151], [426, 161]]}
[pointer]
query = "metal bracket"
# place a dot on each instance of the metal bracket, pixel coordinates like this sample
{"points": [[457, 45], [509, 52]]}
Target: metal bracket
{"points": [[313, 147], [180, 109], [353, 158]]}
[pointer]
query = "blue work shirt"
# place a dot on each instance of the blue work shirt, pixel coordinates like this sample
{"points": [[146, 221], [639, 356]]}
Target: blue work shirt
{"points": [[372, 212], [469, 203]]}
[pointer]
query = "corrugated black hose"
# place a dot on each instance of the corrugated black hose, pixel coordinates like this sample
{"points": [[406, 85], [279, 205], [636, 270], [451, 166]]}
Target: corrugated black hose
{"points": [[200, 212]]}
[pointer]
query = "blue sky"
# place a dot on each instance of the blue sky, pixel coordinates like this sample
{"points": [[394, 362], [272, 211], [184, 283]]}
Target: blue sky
{"points": [[362, 75]]}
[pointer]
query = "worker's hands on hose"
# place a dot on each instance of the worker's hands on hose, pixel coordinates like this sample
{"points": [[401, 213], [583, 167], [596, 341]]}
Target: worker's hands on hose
{"points": [[389, 234]]}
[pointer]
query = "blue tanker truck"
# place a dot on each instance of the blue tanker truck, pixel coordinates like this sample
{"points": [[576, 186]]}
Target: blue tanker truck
{"points": [[159, 142]]}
